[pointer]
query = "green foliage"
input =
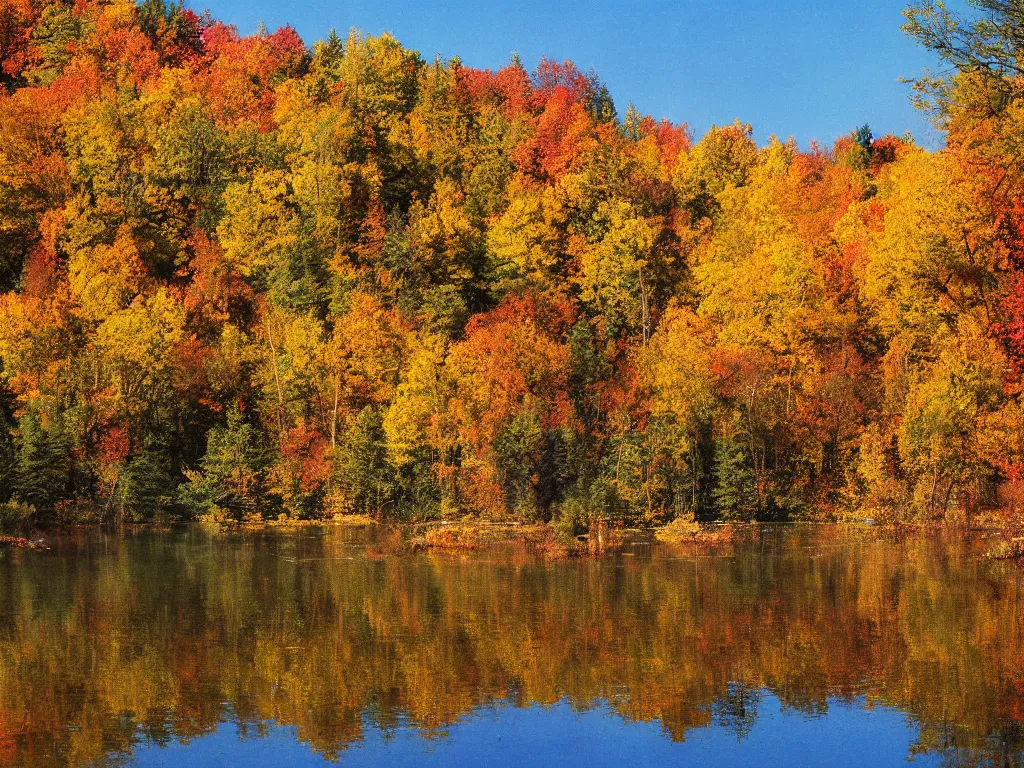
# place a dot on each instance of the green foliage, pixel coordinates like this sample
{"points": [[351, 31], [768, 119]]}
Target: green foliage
{"points": [[231, 480], [42, 475], [862, 136], [17, 518], [734, 491], [147, 488], [364, 475], [520, 448], [8, 451], [574, 519], [51, 37], [987, 42]]}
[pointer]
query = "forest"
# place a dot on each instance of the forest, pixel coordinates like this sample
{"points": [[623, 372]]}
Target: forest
{"points": [[246, 279]]}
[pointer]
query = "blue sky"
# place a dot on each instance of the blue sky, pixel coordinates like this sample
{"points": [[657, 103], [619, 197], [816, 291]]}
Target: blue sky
{"points": [[811, 69]]}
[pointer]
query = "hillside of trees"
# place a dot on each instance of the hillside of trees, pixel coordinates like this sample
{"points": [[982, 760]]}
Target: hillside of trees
{"points": [[242, 278]]}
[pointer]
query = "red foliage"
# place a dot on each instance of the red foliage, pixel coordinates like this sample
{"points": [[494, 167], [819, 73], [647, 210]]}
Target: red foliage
{"points": [[553, 317], [1012, 329], [216, 292], [1010, 224], [565, 133], [125, 49], [31, 128], [885, 150], [191, 363], [741, 373], [510, 87], [624, 392], [219, 39], [39, 274], [516, 351], [551, 77], [832, 404], [243, 71], [180, 42], [15, 19], [80, 80], [671, 139], [476, 85], [516, 90], [513, 361], [817, 193], [307, 453], [114, 446]]}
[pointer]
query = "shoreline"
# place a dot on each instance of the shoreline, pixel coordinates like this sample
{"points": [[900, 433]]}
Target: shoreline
{"points": [[466, 536]]}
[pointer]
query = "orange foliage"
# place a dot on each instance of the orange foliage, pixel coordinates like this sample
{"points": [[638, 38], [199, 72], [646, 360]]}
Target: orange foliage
{"points": [[243, 72], [564, 134], [16, 17]]}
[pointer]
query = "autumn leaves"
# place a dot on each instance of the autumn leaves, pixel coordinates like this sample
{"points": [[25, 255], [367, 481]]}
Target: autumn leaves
{"points": [[244, 278]]}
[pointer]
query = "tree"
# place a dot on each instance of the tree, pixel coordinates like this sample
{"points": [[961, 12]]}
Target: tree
{"points": [[723, 158], [146, 488], [365, 478], [988, 45], [43, 464], [511, 364], [241, 276], [615, 271], [420, 426], [231, 478]]}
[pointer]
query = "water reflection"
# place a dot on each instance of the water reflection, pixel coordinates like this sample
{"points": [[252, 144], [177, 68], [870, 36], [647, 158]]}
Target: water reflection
{"points": [[148, 645]]}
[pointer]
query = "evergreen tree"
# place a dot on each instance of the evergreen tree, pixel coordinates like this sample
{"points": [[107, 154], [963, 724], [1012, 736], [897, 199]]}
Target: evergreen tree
{"points": [[43, 465], [734, 491], [520, 448], [365, 476], [232, 475], [146, 487], [8, 448]]}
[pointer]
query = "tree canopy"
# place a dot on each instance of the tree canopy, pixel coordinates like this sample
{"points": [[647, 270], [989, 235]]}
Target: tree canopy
{"points": [[240, 276]]}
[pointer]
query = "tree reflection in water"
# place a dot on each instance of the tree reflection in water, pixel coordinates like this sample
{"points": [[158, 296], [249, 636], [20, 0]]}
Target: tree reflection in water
{"points": [[107, 641]]}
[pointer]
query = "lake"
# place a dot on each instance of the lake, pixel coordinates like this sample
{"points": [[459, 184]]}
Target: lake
{"points": [[791, 645]]}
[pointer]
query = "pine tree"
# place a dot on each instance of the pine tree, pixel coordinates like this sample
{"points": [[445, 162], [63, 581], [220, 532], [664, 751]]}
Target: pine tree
{"points": [[631, 123], [734, 493], [232, 477], [8, 449], [362, 469], [146, 486], [43, 467]]}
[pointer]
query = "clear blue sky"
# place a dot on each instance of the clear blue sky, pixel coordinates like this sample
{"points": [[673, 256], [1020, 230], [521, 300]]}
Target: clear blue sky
{"points": [[811, 69]]}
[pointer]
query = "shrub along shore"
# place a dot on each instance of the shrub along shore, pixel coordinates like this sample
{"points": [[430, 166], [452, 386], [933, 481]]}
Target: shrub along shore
{"points": [[557, 539]]}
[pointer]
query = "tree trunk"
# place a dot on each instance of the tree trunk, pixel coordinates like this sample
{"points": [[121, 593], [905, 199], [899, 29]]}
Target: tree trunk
{"points": [[277, 384]]}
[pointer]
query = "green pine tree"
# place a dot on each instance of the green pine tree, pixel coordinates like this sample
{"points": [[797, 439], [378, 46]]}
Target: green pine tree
{"points": [[43, 464], [734, 492], [362, 469]]}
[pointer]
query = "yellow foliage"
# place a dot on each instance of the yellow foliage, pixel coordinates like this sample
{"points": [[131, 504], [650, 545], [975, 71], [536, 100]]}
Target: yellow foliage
{"points": [[106, 278]]}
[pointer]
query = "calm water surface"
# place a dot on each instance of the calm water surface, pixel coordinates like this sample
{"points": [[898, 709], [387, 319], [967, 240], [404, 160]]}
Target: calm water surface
{"points": [[790, 646]]}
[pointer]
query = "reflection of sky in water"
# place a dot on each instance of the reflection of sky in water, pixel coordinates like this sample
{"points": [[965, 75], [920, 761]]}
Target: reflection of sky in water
{"points": [[112, 644], [848, 735]]}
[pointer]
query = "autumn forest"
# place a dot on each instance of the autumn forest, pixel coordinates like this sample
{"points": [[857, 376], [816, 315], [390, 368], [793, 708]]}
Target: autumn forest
{"points": [[242, 278]]}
